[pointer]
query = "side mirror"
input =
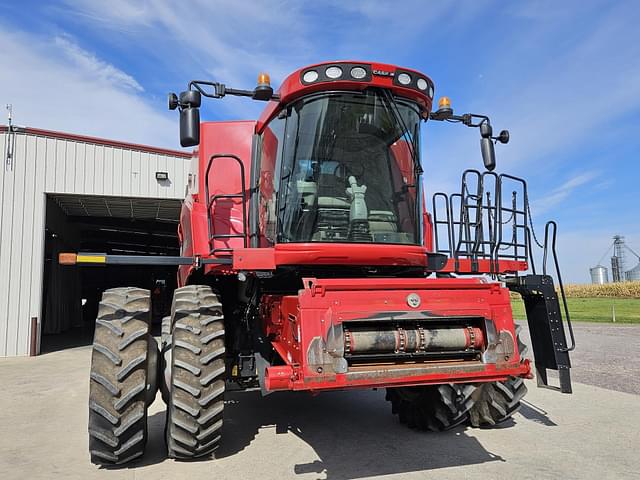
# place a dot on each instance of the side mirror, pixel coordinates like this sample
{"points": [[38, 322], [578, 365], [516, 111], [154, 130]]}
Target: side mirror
{"points": [[189, 117], [190, 126], [486, 146], [488, 153], [190, 98]]}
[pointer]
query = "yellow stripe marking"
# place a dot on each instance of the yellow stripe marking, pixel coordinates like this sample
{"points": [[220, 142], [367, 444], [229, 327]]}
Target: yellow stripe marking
{"points": [[91, 258]]}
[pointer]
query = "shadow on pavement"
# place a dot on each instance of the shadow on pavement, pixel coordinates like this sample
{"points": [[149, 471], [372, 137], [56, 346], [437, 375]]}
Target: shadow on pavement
{"points": [[353, 434], [536, 414]]}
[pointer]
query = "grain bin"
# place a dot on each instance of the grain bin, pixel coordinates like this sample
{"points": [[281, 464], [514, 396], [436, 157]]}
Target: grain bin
{"points": [[599, 275], [633, 275]]}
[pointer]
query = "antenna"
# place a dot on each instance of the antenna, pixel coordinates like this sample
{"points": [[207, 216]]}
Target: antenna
{"points": [[10, 138]]}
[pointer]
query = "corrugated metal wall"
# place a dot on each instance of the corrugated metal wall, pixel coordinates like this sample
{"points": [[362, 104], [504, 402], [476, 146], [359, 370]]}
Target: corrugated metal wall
{"points": [[44, 164]]}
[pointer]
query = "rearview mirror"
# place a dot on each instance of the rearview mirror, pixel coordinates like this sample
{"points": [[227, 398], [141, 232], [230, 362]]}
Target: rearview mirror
{"points": [[190, 126], [488, 153], [190, 98], [486, 145]]}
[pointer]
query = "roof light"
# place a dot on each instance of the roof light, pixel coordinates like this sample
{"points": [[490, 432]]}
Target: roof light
{"points": [[404, 79], [358, 73], [310, 76], [422, 84], [263, 90], [333, 72], [264, 79], [444, 103]]}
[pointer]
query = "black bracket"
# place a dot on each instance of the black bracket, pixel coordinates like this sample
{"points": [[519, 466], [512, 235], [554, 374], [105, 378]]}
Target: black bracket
{"points": [[219, 90], [436, 261], [546, 328]]}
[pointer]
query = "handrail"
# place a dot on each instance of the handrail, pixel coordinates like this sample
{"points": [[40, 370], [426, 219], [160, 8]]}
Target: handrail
{"points": [[211, 199], [446, 222], [554, 254]]}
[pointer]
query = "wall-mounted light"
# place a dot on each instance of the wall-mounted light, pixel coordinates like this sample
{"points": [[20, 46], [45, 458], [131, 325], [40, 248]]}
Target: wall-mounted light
{"points": [[162, 176]]}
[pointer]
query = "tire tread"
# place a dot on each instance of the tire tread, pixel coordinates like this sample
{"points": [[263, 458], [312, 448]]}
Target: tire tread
{"points": [[194, 415], [117, 381]]}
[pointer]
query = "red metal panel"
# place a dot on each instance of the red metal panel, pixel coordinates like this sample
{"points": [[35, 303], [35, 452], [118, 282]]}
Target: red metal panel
{"points": [[300, 327], [355, 254], [349, 254], [394, 376], [193, 223], [251, 259], [374, 254], [234, 138], [484, 266]]}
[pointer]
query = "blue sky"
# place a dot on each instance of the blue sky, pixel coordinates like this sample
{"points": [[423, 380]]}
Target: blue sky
{"points": [[563, 77]]}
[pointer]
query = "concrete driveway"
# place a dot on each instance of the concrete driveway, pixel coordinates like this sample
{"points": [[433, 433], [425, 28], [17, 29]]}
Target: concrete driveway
{"points": [[593, 433]]}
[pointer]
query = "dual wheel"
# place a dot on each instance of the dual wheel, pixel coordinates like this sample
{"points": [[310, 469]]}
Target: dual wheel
{"points": [[127, 368], [441, 407]]}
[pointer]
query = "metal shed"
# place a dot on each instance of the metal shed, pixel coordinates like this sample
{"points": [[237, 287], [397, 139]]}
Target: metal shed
{"points": [[60, 190]]}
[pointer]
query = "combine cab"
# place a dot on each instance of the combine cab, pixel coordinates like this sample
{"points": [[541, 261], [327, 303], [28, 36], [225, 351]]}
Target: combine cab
{"points": [[309, 261]]}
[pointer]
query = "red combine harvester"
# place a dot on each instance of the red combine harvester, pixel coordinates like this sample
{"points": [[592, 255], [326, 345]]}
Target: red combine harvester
{"points": [[309, 262]]}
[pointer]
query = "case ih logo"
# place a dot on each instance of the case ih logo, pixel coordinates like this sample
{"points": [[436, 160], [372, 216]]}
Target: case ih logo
{"points": [[383, 73], [413, 300]]}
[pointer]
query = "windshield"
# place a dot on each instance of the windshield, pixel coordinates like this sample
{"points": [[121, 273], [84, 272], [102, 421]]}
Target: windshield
{"points": [[348, 170]]}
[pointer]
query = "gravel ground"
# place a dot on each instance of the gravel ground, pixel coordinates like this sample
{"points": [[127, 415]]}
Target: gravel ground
{"points": [[606, 355]]}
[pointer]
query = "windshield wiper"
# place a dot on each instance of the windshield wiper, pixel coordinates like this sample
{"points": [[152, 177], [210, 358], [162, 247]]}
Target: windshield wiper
{"points": [[397, 116]]}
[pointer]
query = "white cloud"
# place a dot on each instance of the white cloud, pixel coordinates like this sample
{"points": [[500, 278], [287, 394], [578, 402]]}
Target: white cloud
{"points": [[232, 43], [206, 40], [561, 193], [89, 63], [57, 85]]}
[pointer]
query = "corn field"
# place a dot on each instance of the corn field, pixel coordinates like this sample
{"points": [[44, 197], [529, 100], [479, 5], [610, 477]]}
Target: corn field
{"points": [[608, 290]]}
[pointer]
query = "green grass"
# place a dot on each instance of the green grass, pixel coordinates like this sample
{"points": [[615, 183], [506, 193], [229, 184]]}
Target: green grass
{"points": [[593, 309]]}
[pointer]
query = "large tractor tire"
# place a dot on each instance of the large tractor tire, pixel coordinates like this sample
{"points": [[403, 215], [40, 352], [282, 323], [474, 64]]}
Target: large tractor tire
{"points": [[442, 407], [123, 377], [496, 402], [197, 374], [434, 408]]}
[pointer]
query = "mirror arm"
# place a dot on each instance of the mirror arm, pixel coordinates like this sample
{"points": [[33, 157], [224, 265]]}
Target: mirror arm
{"points": [[220, 90], [486, 132]]}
